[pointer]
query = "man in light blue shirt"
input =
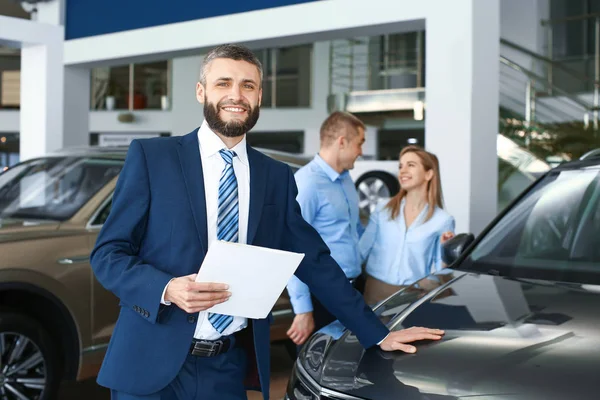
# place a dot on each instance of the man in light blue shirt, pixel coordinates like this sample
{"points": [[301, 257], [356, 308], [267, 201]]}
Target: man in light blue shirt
{"points": [[329, 202]]}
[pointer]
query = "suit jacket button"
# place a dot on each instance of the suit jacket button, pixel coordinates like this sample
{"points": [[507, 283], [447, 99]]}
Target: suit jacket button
{"points": [[146, 314], [191, 319]]}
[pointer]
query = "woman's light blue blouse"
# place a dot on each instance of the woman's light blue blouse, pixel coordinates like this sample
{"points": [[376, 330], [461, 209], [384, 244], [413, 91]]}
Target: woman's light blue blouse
{"points": [[400, 256]]}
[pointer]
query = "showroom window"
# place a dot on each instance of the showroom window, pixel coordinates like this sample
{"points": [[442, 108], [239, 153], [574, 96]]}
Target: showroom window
{"points": [[288, 141], [286, 76], [9, 150], [10, 79], [401, 61], [131, 87]]}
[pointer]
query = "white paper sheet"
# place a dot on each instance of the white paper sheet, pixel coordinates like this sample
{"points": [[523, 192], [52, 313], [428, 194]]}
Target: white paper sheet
{"points": [[256, 276]]}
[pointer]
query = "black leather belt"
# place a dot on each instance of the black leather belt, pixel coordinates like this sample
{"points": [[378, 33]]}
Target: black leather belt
{"points": [[211, 348]]}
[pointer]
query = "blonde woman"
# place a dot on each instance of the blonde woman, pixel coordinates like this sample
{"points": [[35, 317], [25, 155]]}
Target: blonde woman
{"points": [[402, 242]]}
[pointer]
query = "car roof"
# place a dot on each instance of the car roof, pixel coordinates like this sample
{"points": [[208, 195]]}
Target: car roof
{"points": [[89, 151], [121, 151], [591, 159]]}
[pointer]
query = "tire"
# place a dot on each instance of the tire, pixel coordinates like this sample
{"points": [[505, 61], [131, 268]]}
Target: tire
{"points": [[372, 187], [27, 346]]}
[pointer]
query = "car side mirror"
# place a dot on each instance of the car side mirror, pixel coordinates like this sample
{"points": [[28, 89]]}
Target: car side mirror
{"points": [[454, 247]]}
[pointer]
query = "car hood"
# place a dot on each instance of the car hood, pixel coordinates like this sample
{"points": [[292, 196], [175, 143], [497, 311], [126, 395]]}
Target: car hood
{"points": [[18, 229], [505, 339]]}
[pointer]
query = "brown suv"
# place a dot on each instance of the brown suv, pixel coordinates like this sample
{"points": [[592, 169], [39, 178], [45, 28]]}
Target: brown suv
{"points": [[55, 318]]}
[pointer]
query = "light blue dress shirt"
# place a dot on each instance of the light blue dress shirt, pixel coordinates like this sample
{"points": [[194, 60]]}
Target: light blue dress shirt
{"points": [[329, 202], [400, 256]]}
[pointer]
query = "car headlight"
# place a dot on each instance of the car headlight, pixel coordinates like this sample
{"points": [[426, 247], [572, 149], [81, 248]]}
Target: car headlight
{"points": [[306, 374], [301, 386], [313, 354]]}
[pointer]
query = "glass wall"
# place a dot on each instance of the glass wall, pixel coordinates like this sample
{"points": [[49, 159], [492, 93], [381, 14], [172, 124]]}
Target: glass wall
{"points": [[10, 79], [286, 82], [393, 61], [572, 32], [401, 61], [286, 76], [144, 86]]}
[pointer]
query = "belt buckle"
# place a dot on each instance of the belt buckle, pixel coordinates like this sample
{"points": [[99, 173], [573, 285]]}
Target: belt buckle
{"points": [[209, 348]]}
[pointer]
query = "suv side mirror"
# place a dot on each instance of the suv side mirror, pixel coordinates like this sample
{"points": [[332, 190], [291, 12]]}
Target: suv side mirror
{"points": [[454, 247]]}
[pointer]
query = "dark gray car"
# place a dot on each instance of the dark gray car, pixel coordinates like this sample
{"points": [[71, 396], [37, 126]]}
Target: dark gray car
{"points": [[520, 307]]}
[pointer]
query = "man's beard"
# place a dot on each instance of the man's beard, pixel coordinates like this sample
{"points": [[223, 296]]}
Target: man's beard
{"points": [[233, 128]]}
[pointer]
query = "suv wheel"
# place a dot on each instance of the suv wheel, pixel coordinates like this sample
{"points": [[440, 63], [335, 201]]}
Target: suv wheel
{"points": [[372, 187], [29, 364]]}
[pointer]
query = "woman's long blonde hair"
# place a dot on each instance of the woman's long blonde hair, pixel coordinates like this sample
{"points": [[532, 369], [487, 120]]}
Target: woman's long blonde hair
{"points": [[434, 186]]}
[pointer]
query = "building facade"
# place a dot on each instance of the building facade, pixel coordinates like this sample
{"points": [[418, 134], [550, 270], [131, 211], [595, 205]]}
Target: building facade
{"points": [[429, 72]]}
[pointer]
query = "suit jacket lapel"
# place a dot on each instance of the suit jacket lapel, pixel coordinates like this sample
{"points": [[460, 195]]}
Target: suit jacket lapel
{"points": [[191, 166], [258, 184]]}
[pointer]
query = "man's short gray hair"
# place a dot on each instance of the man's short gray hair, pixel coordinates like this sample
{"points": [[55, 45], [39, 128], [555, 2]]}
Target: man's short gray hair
{"points": [[232, 52]]}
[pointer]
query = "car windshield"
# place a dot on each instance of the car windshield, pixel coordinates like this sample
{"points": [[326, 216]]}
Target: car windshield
{"points": [[551, 233], [53, 188]]}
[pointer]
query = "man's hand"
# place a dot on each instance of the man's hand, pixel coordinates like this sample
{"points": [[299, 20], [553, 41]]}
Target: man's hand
{"points": [[446, 236], [302, 327], [397, 340], [192, 296]]}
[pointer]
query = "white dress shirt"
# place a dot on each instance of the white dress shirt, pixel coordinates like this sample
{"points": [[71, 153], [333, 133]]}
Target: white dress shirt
{"points": [[212, 167]]}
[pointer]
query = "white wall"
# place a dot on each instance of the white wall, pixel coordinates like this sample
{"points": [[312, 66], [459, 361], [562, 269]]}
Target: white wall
{"points": [[77, 106], [40, 117], [187, 112], [462, 56], [144, 121], [280, 26]]}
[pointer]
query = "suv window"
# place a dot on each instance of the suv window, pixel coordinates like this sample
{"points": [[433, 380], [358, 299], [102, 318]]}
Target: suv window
{"points": [[53, 188], [552, 233], [103, 214]]}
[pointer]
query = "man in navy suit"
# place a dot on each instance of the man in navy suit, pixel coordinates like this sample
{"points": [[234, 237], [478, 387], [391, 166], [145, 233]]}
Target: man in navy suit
{"points": [[174, 197]]}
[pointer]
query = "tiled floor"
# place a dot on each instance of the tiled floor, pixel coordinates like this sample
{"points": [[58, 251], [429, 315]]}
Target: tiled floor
{"points": [[281, 365]]}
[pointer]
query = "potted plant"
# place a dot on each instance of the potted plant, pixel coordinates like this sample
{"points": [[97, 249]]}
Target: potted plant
{"points": [[111, 95]]}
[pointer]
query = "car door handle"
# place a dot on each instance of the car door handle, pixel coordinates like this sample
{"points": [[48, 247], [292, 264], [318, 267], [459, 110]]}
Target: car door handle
{"points": [[74, 260]]}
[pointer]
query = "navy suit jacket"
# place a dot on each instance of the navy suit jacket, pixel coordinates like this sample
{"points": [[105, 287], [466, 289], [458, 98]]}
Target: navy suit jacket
{"points": [[157, 230]]}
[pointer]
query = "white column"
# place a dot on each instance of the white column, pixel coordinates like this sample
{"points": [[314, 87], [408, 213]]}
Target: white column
{"points": [[52, 12], [319, 92], [462, 106], [41, 119], [41, 123], [186, 112], [76, 123], [76, 110]]}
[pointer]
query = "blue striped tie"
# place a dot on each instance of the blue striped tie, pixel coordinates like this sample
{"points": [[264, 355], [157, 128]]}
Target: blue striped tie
{"points": [[227, 221]]}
